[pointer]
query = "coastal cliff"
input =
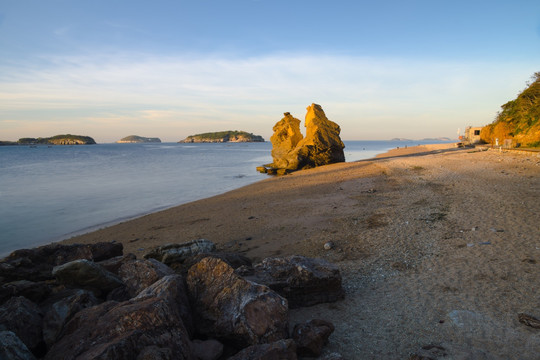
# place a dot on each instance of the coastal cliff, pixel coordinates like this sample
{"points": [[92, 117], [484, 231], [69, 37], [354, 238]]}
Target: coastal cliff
{"points": [[223, 136], [135, 139], [66, 139]]}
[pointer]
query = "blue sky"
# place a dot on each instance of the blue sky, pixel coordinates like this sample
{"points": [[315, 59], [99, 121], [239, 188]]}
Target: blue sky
{"points": [[169, 69]]}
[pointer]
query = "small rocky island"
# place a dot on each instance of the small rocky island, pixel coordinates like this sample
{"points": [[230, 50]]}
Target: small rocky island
{"points": [[223, 136], [66, 139], [135, 139]]}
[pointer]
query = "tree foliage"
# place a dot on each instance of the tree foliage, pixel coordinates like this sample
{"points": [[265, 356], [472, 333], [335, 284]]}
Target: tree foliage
{"points": [[519, 119]]}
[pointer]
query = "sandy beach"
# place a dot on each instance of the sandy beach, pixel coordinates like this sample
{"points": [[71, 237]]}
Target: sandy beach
{"points": [[437, 245]]}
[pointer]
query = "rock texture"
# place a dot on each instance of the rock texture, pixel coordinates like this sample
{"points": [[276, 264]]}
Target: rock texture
{"points": [[321, 145], [61, 308], [228, 307], [139, 274], [311, 337], [302, 281], [37, 264], [87, 274], [178, 253], [93, 302], [12, 348], [286, 137], [279, 350], [22, 317], [172, 288], [123, 330], [33, 291]]}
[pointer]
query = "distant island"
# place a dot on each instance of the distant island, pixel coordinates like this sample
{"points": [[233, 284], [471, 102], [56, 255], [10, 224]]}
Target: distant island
{"points": [[223, 136], [137, 139], [66, 139]]}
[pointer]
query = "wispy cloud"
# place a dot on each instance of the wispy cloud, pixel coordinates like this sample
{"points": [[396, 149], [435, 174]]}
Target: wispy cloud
{"points": [[366, 96]]}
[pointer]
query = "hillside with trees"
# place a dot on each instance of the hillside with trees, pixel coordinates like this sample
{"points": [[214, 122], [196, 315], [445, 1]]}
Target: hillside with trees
{"points": [[66, 139], [518, 119], [223, 136]]}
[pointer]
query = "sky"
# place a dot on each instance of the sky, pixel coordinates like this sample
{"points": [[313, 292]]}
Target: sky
{"points": [[168, 69]]}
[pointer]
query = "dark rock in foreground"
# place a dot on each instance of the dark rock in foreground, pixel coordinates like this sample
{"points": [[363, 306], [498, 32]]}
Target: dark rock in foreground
{"points": [[23, 317], [230, 308], [37, 264], [302, 281], [123, 330], [178, 253], [86, 274], [12, 348], [92, 302], [311, 337], [279, 350]]}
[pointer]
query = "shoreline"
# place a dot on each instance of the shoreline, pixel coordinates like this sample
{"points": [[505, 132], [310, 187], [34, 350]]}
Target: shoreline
{"points": [[436, 245], [122, 219], [86, 236]]}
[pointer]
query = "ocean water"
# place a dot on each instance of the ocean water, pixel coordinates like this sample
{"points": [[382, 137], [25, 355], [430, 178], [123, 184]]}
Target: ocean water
{"points": [[52, 193]]}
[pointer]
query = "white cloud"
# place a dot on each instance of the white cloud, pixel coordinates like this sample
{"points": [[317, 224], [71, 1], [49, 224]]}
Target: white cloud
{"points": [[368, 97]]}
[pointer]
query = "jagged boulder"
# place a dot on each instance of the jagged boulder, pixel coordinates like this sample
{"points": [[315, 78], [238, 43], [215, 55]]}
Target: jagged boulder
{"points": [[207, 350], [34, 291], [12, 348], [282, 350], [311, 337], [234, 260], [322, 144], [172, 254], [114, 264], [172, 288], [302, 281], [291, 151], [37, 264], [60, 308], [22, 317], [87, 275], [139, 274], [148, 325], [232, 309], [286, 137]]}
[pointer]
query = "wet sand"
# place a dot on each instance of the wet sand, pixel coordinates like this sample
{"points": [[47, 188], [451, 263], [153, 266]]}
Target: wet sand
{"points": [[437, 245]]}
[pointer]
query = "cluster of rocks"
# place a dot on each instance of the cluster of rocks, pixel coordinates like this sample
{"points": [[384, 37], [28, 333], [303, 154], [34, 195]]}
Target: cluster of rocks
{"points": [[292, 151], [183, 301]]}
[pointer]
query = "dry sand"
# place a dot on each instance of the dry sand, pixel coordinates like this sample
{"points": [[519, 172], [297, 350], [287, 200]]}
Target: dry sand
{"points": [[437, 245]]}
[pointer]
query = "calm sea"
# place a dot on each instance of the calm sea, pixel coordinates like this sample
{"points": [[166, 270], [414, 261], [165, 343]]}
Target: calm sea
{"points": [[52, 193]]}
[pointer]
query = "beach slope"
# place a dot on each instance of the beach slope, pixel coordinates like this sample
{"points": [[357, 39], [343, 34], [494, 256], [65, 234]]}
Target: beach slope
{"points": [[437, 246]]}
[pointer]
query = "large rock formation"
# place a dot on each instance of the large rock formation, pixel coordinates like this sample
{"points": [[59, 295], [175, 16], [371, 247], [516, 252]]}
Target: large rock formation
{"points": [[286, 137], [291, 151]]}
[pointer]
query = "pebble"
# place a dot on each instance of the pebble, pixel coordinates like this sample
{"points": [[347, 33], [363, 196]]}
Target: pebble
{"points": [[329, 245]]}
